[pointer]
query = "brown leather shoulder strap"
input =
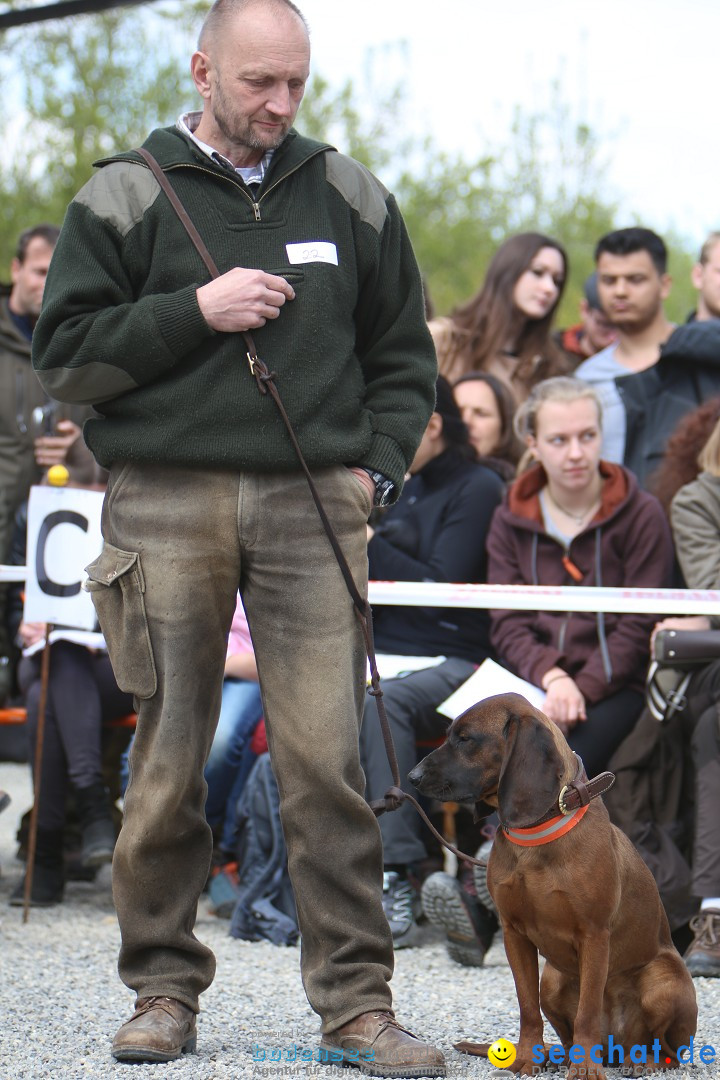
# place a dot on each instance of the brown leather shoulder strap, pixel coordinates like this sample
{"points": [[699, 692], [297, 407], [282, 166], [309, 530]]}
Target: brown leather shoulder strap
{"points": [[180, 210], [395, 796]]}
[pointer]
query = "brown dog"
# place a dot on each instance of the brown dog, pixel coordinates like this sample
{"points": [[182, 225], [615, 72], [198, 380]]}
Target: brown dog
{"points": [[583, 898]]}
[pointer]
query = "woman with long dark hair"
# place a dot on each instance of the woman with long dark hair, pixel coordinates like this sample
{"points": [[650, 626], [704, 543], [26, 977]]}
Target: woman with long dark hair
{"points": [[487, 407], [505, 328]]}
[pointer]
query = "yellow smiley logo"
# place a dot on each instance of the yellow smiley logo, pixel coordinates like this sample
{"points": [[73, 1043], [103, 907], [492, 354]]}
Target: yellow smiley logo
{"points": [[502, 1053]]}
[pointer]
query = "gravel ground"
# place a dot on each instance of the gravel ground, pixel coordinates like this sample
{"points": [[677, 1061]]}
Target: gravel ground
{"points": [[62, 1000]]}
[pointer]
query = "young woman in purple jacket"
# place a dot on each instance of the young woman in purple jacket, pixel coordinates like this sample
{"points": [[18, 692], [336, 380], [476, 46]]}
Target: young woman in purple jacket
{"points": [[574, 519]]}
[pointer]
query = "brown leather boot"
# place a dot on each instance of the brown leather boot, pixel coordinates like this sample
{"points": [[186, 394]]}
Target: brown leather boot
{"points": [[379, 1046], [703, 956], [160, 1029]]}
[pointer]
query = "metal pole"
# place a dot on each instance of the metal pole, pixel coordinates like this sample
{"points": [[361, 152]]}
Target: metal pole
{"points": [[37, 772]]}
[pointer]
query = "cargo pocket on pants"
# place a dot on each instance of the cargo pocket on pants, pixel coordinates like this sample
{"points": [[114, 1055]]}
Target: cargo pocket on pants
{"points": [[117, 587]]}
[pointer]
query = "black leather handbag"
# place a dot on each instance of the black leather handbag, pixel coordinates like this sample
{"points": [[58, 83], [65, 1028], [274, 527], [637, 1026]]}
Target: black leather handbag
{"points": [[683, 649], [676, 655]]}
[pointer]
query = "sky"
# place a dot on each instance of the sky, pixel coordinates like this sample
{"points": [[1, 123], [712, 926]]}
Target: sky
{"points": [[643, 74]]}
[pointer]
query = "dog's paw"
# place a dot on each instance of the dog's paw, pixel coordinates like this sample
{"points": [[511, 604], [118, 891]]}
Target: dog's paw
{"points": [[586, 1072]]}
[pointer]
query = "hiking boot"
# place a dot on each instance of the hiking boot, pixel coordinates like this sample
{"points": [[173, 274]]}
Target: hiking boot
{"points": [[98, 827], [401, 905], [160, 1029], [378, 1046], [469, 927], [702, 959], [48, 886]]}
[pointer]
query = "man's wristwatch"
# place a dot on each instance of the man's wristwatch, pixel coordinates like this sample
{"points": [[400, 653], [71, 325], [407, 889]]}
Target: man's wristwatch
{"points": [[384, 488]]}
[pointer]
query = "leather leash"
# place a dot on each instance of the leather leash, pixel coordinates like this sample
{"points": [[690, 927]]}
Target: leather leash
{"points": [[265, 379]]}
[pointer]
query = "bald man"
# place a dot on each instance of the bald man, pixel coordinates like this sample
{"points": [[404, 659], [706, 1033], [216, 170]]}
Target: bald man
{"points": [[206, 496]]}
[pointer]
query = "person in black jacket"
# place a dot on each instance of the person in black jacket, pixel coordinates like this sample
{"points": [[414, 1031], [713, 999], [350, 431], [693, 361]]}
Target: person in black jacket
{"points": [[436, 532], [657, 399]]}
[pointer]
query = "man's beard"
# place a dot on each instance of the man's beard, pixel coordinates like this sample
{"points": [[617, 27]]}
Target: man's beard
{"points": [[241, 133]]}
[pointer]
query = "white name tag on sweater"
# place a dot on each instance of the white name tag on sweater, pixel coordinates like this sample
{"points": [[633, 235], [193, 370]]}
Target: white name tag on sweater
{"points": [[312, 251]]}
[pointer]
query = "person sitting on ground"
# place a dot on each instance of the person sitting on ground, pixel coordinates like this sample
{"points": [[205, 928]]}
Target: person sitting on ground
{"points": [[574, 519], [230, 757], [487, 408], [593, 333], [695, 516], [505, 328], [436, 532], [82, 694]]}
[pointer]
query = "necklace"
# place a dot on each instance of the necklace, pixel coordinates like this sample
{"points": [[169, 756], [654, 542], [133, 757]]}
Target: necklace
{"points": [[577, 518]]}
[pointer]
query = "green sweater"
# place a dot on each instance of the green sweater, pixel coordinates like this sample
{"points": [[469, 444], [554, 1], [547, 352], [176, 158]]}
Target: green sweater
{"points": [[121, 327]]}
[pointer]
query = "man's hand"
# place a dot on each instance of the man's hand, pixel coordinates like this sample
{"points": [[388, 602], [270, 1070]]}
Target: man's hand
{"points": [[30, 632], [53, 449], [365, 480], [243, 299], [680, 622], [564, 704]]}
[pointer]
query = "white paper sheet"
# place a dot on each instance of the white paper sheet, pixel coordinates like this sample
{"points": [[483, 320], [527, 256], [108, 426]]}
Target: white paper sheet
{"points": [[490, 678], [391, 666], [87, 638]]}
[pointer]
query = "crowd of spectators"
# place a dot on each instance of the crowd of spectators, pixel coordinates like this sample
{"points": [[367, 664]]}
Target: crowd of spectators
{"points": [[581, 456]]}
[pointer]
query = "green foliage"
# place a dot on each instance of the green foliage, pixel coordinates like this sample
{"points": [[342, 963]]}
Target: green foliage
{"points": [[95, 84], [549, 177], [90, 86]]}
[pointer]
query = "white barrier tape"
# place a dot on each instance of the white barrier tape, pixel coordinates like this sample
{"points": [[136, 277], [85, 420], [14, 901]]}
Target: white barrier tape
{"points": [[13, 573], [522, 597], [546, 598]]}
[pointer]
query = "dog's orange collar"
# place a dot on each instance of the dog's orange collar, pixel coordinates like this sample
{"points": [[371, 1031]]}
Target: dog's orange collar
{"points": [[547, 832]]}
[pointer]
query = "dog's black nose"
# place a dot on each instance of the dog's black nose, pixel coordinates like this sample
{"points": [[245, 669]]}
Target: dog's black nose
{"points": [[415, 775]]}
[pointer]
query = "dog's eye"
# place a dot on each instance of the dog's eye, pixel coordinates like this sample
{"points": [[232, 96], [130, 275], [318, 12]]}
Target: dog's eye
{"points": [[462, 738]]}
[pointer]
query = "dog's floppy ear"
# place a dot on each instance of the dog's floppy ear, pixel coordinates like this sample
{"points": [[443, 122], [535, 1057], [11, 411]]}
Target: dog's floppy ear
{"points": [[531, 770]]}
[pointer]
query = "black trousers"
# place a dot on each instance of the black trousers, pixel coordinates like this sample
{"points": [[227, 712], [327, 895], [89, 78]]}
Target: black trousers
{"points": [[411, 705], [703, 707], [82, 693], [608, 722]]}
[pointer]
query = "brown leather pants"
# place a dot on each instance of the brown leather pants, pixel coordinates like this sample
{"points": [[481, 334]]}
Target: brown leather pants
{"points": [[178, 544]]}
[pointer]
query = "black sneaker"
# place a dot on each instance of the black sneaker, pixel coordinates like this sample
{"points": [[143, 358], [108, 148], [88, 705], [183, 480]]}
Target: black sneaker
{"points": [[401, 905], [479, 874], [469, 927]]}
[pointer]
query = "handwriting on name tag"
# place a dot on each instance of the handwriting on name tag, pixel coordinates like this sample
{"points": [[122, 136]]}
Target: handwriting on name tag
{"points": [[312, 251]]}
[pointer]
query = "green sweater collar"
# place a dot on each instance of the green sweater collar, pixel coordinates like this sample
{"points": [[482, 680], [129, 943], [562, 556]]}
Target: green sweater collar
{"points": [[174, 150]]}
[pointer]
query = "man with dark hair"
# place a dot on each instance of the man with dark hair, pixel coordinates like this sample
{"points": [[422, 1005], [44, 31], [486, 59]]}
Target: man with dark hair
{"points": [[593, 333], [206, 495], [655, 373], [26, 412], [633, 240], [632, 286], [706, 279]]}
